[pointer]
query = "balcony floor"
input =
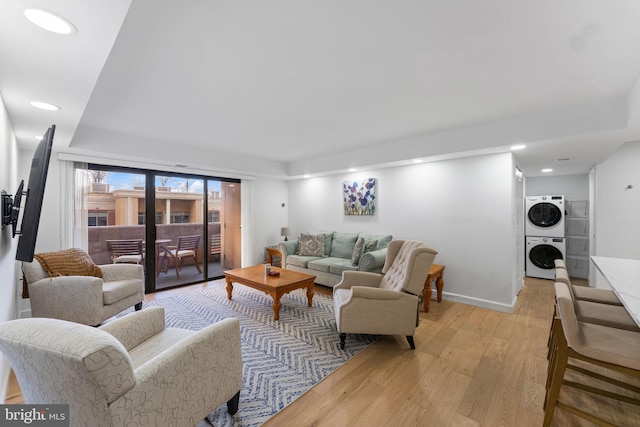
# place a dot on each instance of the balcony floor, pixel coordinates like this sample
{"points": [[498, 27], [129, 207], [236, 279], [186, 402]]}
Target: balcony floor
{"points": [[188, 274]]}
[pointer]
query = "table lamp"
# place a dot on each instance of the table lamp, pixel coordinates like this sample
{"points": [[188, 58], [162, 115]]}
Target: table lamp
{"points": [[284, 231]]}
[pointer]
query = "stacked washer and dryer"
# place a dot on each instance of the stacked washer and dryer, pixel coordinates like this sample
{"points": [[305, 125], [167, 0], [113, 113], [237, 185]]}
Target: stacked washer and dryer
{"points": [[545, 234]]}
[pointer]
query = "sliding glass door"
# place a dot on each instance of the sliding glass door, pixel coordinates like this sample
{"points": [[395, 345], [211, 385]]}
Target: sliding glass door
{"points": [[180, 230], [115, 209], [189, 225]]}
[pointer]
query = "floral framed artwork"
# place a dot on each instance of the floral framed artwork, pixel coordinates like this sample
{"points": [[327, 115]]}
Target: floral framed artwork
{"points": [[359, 197]]}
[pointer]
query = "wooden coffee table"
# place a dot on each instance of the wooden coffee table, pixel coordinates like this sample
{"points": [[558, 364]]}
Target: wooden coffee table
{"points": [[276, 286]]}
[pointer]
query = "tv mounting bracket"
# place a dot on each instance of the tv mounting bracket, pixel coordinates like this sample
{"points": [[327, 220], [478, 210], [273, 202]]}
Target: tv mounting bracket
{"points": [[7, 208]]}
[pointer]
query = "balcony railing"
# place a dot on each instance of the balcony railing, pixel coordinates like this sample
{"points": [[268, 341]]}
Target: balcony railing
{"points": [[99, 235]]}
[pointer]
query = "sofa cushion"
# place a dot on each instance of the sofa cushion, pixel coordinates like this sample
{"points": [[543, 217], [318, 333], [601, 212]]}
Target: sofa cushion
{"points": [[343, 244], [371, 246], [342, 265], [372, 261], [301, 261], [115, 291], [328, 239], [357, 251], [311, 245], [361, 248], [324, 264], [383, 240], [33, 272], [155, 345]]}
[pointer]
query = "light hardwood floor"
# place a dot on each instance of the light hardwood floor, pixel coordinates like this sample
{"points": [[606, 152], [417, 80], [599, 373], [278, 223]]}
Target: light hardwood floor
{"points": [[471, 367]]}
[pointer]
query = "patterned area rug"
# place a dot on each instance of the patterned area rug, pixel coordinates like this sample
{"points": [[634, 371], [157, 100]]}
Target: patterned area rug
{"points": [[282, 359]]}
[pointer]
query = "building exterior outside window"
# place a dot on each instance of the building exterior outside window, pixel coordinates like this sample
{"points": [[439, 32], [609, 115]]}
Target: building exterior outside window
{"points": [[97, 219], [126, 207]]}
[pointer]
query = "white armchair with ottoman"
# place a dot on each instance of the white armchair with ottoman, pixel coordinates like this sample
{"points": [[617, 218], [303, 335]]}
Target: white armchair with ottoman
{"points": [[132, 371], [67, 285]]}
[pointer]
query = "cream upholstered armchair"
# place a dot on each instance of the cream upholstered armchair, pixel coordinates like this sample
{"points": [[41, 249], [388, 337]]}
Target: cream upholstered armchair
{"points": [[130, 371], [84, 298], [387, 303]]}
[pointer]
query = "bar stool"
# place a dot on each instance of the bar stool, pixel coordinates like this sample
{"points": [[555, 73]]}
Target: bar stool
{"points": [[609, 315], [559, 263], [584, 293], [591, 312], [610, 348]]}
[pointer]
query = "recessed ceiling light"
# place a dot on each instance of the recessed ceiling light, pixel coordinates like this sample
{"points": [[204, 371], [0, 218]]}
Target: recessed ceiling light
{"points": [[45, 106], [417, 160], [353, 170], [50, 21], [547, 170], [306, 175], [517, 147]]}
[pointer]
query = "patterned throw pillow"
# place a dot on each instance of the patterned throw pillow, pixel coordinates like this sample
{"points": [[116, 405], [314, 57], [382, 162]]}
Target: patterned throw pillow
{"points": [[311, 244], [371, 246], [357, 251]]}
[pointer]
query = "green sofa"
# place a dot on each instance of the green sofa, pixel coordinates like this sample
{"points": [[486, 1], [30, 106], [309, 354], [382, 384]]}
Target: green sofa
{"points": [[337, 255]]}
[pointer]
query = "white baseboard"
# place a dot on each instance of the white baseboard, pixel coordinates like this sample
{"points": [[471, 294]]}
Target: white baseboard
{"points": [[478, 302]]}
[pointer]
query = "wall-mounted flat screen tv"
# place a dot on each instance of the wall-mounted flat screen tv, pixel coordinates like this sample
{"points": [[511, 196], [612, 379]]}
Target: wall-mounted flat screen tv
{"points": [[28, 230]]}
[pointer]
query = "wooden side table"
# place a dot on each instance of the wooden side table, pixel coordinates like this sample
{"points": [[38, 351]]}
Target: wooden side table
{"points": [[436, 272], [274, 253]]}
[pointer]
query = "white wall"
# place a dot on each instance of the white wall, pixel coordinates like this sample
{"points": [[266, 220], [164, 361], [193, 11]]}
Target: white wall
{"points": [[572, 187], [463, 208], [263, 216], [617, 218], [8, 272]]}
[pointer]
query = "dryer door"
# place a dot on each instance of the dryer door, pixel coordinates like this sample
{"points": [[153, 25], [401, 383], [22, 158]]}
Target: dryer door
{"points": [[542, 256], [544, 214]]}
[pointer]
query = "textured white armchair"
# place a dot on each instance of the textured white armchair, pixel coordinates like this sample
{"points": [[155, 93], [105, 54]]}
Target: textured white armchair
{"points": [[130, 371], [387, 303], [84, 299]]}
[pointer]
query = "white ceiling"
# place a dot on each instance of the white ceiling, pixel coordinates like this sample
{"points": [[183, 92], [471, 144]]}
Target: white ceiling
{"points": [[285, 88]]}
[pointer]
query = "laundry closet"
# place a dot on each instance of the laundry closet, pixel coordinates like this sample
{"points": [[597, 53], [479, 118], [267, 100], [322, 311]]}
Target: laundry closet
{"points": [[557, 225], [544, 234]]}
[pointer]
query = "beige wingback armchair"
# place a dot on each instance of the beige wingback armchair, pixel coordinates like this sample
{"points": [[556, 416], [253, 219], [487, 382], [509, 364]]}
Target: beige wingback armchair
{"points": [[130, 371], [387, 303], [84, 299]]}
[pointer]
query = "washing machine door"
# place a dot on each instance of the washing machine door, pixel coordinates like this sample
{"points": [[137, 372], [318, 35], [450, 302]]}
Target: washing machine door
{"points": [[544, 214], [543, 256]]}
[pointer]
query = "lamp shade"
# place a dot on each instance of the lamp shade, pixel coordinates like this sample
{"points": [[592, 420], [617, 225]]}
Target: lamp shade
{"points": [[284, 231]]}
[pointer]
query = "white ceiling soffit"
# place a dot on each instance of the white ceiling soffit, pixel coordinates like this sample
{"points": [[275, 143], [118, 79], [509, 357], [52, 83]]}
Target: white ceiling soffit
{"points": [[37, 65], [285, 88]]}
